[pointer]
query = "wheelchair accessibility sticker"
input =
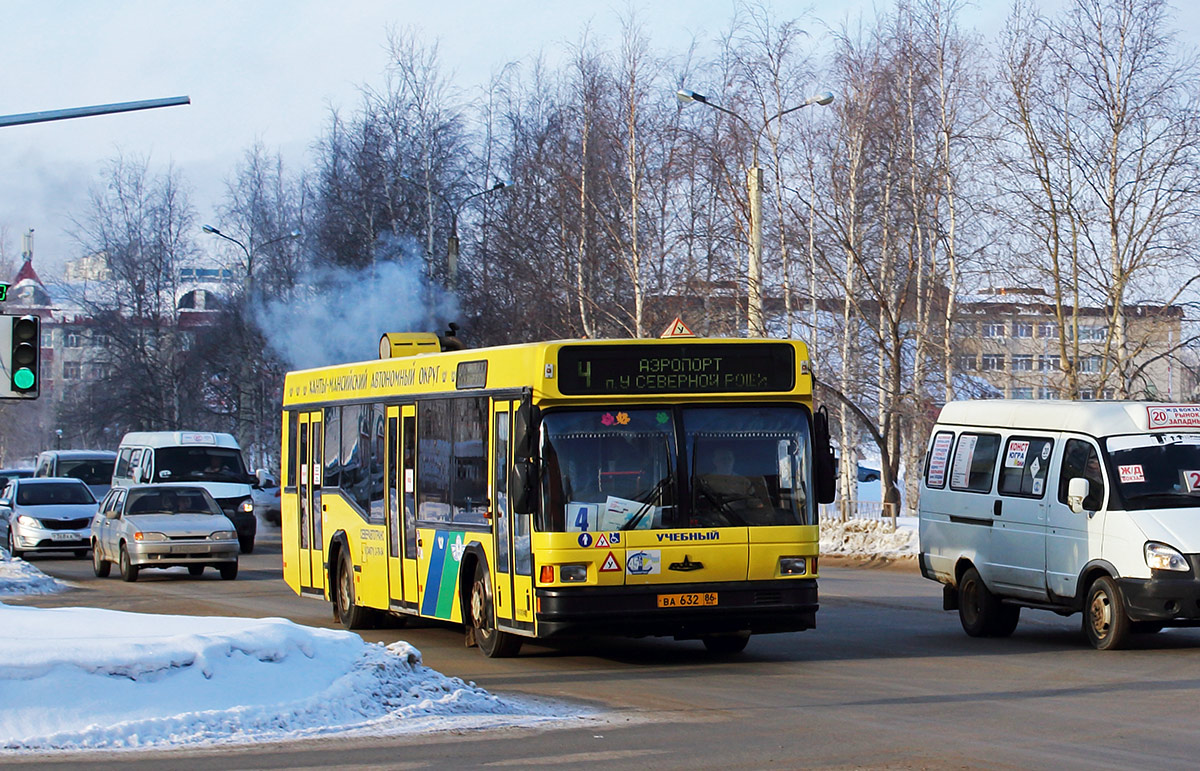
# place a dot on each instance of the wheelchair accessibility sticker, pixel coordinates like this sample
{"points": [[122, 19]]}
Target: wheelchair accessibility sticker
{"points": [[643, 563]]}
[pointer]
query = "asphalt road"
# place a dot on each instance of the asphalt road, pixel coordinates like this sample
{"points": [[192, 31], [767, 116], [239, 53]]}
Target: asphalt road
{"points": [[887, 680]]}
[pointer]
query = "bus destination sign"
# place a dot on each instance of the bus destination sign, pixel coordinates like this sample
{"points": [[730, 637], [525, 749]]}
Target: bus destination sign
{"points": [[676, 368]]}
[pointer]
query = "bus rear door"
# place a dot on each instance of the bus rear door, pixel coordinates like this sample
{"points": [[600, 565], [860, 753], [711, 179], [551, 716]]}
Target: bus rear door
{"points": [[307, 469]]}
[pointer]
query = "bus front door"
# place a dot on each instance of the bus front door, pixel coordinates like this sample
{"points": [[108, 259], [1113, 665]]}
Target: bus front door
{"points": [[513, 571], [501, 514]]}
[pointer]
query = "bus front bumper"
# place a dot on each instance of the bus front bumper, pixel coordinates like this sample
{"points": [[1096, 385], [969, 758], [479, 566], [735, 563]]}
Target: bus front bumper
{"points": [[759, 607]]}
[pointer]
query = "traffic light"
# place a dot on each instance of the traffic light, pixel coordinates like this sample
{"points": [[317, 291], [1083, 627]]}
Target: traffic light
{"points": [[19, 356]]}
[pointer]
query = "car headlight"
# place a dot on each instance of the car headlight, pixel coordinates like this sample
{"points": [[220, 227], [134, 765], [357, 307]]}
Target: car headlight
{"points": [[27, 521], [1159, 556], [140, 536], [246, 506], [223, 535]]}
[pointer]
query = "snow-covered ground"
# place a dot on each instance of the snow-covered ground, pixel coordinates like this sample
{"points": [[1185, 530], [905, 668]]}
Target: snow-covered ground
{"points": [[84, 678], [18, 577], [870, 537]]}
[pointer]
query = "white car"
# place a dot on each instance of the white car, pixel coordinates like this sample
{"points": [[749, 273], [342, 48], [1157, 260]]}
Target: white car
{"points": [[266, 501], [47, 515], [162, 526]]}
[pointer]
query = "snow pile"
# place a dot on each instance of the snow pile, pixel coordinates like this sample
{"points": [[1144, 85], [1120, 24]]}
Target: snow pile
{"points": [[140, 680], [19, 577], [869, 537]]}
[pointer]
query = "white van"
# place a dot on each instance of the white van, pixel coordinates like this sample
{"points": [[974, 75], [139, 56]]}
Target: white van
{"points": [[197, 459], [1065, 506]]}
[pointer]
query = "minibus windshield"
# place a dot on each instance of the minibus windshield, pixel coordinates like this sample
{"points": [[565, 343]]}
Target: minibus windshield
{"points": [[1156, 471]]}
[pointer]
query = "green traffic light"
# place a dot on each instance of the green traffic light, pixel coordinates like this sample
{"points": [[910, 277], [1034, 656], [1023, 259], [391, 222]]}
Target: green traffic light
{"points": [[23, 379]]}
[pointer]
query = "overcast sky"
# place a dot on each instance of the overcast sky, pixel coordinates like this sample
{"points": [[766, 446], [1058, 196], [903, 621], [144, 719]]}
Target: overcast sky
{"points": [[263, 70]]}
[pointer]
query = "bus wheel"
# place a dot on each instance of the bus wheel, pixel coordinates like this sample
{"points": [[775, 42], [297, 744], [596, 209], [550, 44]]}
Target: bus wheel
{"points": [[1104, 621], [494, 643], [726, 644], [352, 615]]}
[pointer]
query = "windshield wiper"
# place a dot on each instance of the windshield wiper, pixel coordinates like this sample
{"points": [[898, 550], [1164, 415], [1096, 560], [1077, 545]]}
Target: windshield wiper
{"points": [[648, 505]]}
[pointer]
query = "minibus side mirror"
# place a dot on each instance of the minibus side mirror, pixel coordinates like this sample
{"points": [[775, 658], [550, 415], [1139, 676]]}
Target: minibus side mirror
{"points": [[1077, 490]]}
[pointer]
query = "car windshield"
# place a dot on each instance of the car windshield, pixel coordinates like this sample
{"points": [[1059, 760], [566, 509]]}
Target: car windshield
{"points": [[199, 464], [620, 469], [53, 494], [168, 500], [1155, 471], [90, 472]]}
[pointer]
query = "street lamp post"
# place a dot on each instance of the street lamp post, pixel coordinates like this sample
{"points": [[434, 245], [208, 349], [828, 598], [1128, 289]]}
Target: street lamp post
{"points": [[754, 177], [249, 286], [249, 255], [455, 210]]}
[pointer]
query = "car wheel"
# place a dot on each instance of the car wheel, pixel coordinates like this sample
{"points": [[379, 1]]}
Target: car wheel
{"points": [[195, 570], [100, 566], [246, 544], [129, 571], [1105, 622], [13, 551], [726, 644], [228, 572], [494, 643]]}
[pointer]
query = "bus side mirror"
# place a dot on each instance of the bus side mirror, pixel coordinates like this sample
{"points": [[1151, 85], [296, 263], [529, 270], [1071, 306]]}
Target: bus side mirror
{"points": [[1077, 489], [824, 464], [523, 486], [524, 429]]}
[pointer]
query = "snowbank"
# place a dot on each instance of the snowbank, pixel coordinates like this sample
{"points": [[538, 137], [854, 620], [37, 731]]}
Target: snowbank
{"points": [[141, 680], [869, 537], [18, 577]]}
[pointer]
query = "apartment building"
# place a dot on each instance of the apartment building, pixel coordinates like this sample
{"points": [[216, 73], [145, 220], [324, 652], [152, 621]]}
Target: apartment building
{"points": [[1010, 341]]}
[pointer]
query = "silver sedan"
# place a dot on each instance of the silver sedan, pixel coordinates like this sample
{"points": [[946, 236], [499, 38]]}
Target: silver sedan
{"points": [[161, 526], [46, 515]]}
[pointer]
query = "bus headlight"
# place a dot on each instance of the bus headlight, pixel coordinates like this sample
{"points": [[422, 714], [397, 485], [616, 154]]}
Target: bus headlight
{"points": [[793, 566], [1159, 556], [223, 535], [572, 574], [140, 536]]}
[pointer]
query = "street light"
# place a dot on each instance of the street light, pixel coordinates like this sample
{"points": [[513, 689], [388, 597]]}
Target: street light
{"points": [[249, 256], [455, 210], [754, 292]]}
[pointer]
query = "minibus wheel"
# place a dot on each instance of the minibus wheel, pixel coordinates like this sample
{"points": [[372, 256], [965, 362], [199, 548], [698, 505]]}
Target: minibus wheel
{"points": [[981, 614], [1105, 622]]}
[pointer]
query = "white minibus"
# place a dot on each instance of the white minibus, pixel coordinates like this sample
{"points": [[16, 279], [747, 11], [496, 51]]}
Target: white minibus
{"points": [[1089, 507]]}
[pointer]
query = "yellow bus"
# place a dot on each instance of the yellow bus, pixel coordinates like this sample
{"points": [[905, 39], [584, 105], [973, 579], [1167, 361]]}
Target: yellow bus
{"points": [[641, 487]]}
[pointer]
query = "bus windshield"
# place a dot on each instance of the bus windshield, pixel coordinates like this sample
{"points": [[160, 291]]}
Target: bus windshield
{"points": [[624, 469], [1156, 471], [199, 464]]}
